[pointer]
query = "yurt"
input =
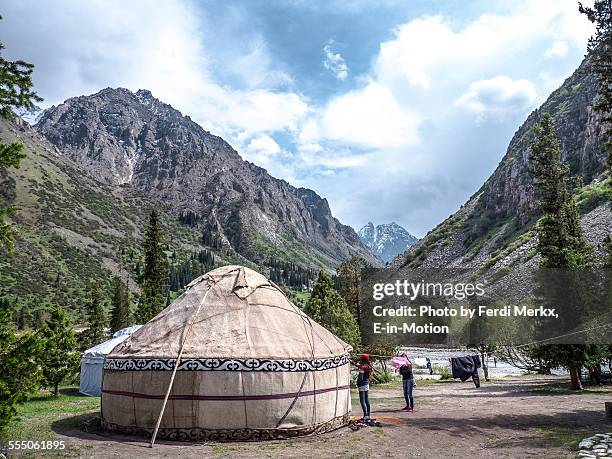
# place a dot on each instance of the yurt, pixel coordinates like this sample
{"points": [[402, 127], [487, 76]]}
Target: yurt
{"points": [[92, 361], [235, 360]]}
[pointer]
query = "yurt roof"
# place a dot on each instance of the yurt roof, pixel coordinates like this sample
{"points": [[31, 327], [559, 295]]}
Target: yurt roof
{"points": [[233, 312]]}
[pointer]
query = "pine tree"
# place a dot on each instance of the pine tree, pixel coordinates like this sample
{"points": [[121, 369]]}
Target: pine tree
{"points": [[120, 313], [328, 308], [19, 372], [154, 279], [560, 239], [349, 278], [561, 242], [15, 93], [600, 57], [96, 318], [60, 359]]}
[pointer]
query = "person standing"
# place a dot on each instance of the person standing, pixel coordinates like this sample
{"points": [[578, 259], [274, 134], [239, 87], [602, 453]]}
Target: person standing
{"points": [[429, 367], [363, 383], [408, 383]]}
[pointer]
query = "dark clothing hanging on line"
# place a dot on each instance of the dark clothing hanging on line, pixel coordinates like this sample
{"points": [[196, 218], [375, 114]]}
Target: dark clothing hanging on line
{"points": [[466, 367]]}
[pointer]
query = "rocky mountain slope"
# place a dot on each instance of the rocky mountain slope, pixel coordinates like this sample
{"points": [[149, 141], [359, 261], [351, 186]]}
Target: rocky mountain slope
{"points": [[493, 230], [133, 139], [387, 240], [72, 231]]}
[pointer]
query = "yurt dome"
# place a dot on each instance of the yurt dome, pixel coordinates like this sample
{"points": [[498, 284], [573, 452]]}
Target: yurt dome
{"points": [[252, 366]]}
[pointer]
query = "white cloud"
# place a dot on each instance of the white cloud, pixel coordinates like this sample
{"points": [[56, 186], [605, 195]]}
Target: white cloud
{"points": [[498, 96], [227, 111], [256, 67], [333, 159], [265, 145], [558, 49], [158, 45], [334, 62], [370, 117], [427, 50]]}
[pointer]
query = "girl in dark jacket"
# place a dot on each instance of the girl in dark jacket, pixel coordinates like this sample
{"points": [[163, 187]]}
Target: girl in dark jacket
{"points": [[408, 383], [363, 383]]}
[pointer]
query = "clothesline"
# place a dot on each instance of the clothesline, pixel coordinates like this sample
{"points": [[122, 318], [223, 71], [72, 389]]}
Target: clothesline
{"points": [[608, 325], [391, 356]]}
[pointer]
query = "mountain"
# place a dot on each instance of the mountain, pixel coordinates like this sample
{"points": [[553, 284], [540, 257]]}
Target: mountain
{"points": [[95, 168], [494, 230], [72, 231], [132, 139], [387, 240]]}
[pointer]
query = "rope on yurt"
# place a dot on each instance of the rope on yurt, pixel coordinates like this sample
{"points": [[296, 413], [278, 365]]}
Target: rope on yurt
{"points": [[314, 379], [176, 364], [294, 401], [313, 332], [304, 317]]}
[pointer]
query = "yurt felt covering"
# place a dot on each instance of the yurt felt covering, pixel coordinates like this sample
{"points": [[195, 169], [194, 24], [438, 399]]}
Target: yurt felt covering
{"points": [[253, 366]]}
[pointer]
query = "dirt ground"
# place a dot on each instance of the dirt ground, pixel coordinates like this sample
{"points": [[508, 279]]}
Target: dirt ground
{"points": [[514, 417]]}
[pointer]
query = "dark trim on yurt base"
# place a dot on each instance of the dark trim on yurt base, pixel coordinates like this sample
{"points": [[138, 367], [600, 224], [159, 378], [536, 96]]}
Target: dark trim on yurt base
{"points": [[226, 398], [246, 434], [225, 364]]}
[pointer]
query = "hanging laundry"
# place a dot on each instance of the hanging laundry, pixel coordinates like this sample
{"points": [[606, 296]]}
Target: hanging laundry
{"points": [[466, 367]]}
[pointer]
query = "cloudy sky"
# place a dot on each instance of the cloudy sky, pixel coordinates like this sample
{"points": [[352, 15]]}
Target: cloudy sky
{"points": [[392, 110]]}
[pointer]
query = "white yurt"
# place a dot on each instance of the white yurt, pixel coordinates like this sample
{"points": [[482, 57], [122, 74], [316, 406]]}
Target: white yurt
{"points": [[251, 366], [92, 361]]}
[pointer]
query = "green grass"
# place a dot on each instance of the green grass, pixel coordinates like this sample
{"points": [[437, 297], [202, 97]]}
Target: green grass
{"points": [[440, 235], [594, 194], [565, 437], [43, 416], [303, 296], [566, 391]]}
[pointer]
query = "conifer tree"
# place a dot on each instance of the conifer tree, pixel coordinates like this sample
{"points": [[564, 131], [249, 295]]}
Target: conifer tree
{"points": [[349, 277], [561, 243], [120, 313], [60, 358], [328, 308], [19, 372], [96, 318], [154, 279], [15, 93]]}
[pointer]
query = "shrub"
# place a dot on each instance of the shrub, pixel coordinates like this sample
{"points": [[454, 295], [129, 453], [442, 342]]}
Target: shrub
{"points": [[384, 376], [444, 372]]}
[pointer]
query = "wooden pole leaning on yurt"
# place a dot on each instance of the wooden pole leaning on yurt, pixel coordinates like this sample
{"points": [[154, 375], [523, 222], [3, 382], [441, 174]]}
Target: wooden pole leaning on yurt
{"points": [[176, 365]]}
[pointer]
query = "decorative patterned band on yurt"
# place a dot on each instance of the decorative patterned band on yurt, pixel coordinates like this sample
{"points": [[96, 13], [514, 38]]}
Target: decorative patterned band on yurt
{"points": [[198, 434], [276, 373], [213, 364]]}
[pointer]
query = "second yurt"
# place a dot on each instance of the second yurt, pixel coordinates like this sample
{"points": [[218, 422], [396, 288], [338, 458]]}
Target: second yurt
{"points": [[92, 362], [251, 366]]}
